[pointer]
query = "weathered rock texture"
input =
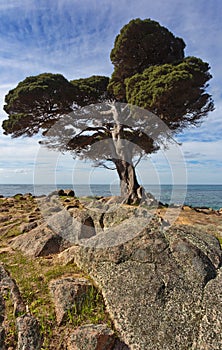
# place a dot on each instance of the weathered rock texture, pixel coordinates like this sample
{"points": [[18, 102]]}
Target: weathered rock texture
{"points": [[94, 337], [69, 293], [162, 288], [29, 337], [41, 241]]}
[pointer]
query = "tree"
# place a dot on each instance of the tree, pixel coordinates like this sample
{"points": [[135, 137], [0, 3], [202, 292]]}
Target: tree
{"points": [[36, 103], [150, 71]]}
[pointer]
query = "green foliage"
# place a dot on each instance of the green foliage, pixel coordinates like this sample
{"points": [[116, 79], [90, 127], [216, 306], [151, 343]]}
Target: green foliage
{"points": [[220, 240], [91, 90], [141, 44], [175, 92], [36, 103]]}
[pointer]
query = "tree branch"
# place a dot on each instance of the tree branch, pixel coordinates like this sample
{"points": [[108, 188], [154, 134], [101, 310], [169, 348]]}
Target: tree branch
{"points": [[102, 164]]}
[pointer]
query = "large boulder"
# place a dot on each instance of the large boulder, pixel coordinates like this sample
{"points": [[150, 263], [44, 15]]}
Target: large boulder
{"points": [[41, 241], [160, 286]]}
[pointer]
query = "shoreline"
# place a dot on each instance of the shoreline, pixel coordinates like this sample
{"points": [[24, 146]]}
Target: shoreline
{"points": [[204, 209], [208, 196]]}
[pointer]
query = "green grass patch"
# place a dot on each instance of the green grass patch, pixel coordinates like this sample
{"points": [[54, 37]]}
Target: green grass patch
{"points": [[32, 276], [91, 309], [220, 240]]}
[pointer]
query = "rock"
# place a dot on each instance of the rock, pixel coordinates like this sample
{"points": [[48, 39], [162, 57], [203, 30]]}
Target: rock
{"points": [[18, 195], [28, 194], [29, 337], [2, 309], [68, 294], [2, 338], [210, 332], [73, 203], [8, 284], [205, 210], [41, 241], [66, 192], [59, 192], [72, 225], [83, 224], [119, 345], [5, 218], [95, 337], [154, 284], [69, 193], [91, 337], [28, 227], [187, 208]]}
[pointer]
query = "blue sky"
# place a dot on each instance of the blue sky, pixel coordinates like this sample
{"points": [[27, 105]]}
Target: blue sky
{"points": [[75, 38]]}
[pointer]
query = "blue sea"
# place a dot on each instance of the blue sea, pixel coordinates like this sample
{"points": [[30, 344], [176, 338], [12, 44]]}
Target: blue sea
{"points": [[193, 195]]}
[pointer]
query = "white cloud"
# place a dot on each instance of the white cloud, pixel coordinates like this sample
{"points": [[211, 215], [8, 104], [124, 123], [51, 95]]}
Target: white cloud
{"points": [[75, 38]]}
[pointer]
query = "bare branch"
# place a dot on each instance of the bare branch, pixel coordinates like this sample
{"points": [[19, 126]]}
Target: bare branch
{"points": [[103, 165], [138, 160]]}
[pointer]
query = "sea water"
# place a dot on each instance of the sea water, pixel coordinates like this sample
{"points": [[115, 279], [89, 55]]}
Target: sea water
{"points": [[193, 195]]}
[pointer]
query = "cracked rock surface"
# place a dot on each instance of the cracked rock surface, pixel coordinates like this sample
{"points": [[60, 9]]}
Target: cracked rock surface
{"points": [[162, 288]]}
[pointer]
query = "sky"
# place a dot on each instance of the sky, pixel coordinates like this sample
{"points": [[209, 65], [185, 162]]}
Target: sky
{"points": [[74, 38]]}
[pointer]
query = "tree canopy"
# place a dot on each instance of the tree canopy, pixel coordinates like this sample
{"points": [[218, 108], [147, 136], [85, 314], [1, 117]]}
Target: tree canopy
{"points": [[38, 101], [150, 71], [141, 44]]}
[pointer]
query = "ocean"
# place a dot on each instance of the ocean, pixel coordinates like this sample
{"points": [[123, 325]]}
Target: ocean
{"points": [[193, 195]]}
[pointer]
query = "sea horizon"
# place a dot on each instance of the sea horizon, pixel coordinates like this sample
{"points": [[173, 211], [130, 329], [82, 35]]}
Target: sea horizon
{"points": [[195, 195]]}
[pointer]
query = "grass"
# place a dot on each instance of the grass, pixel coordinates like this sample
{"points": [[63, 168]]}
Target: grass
{"points": [[32, 277], [91, 309], [220, 240], [9, 322]]}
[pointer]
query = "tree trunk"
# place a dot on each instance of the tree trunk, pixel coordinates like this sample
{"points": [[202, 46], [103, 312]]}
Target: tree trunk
{"points": [[130, 188], [122, 157]]}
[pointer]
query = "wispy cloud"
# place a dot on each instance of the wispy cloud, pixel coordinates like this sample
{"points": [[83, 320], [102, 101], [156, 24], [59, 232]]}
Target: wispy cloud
{"points": [[75, 38]]}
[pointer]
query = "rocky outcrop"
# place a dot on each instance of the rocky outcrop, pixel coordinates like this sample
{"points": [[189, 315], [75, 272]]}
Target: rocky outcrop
{"points": [[210, 334], [159, 286], [41, 241]]}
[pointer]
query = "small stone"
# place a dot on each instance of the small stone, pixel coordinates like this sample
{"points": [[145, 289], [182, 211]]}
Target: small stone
{"points": [[61, 193], [69, 193], [186, 208], [28, 227]]}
